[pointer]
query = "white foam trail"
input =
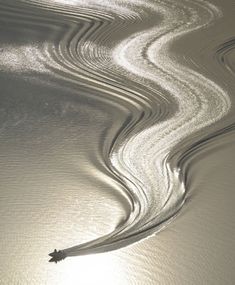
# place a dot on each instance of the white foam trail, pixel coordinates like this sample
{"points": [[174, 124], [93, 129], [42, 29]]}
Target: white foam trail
{"points": [[201, 102], [142, 160]]}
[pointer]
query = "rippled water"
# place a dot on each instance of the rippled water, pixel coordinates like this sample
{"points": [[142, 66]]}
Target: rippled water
{"points": [[110, 111]]}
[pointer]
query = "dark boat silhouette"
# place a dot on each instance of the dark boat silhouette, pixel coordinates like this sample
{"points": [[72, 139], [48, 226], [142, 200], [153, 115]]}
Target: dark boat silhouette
{"points": [[57, 255]]}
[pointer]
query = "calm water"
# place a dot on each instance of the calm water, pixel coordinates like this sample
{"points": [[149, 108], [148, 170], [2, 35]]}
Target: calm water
{"points": [[117, 142]]}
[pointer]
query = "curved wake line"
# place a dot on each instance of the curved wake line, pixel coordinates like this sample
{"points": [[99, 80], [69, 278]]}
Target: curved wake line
{"points": [[223, 54], [176, 102], [144, 160]]}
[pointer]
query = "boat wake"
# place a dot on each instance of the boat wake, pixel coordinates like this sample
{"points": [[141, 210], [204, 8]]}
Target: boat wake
{"points": [[124, 51]]}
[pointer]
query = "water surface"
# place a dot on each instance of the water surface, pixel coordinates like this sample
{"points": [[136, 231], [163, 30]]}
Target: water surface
{"points": [[117, 121]]}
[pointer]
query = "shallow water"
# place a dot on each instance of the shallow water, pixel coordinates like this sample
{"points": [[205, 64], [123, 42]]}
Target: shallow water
{"points": [[117, 138]]}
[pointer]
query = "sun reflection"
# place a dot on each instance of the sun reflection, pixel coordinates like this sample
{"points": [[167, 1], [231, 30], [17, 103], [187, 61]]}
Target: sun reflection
{"points": [[21, 58], [91, 269], [68, 2]]}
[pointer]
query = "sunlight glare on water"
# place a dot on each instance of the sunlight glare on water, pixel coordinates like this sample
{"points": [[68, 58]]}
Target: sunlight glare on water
{"points": [[89, 270]]}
